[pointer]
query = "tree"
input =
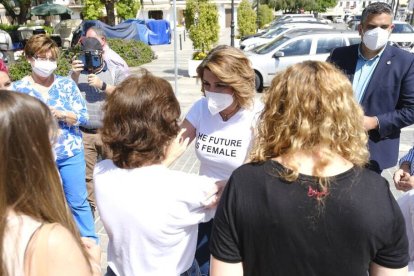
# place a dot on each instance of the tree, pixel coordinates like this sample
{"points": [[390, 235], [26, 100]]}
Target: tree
{"points": [[110, 11], [265, 15], [24, 6], [92, 10], [127, 8], [246, 18], [201, 19]]}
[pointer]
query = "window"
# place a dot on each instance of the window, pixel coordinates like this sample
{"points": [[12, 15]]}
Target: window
{"points": [[298, 48], [325, 45]]}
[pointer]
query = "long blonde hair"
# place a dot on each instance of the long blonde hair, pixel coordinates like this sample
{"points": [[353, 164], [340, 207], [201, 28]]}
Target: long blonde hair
{"points": [[29, 180], [310, 106], [231, 66]]}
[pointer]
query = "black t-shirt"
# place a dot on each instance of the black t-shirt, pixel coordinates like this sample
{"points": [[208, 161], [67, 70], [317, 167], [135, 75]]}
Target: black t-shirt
{"points": [[275, 228]]}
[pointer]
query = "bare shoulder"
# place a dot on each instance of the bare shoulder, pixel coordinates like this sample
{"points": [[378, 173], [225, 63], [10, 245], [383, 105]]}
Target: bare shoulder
{"points": [[47, 253]]}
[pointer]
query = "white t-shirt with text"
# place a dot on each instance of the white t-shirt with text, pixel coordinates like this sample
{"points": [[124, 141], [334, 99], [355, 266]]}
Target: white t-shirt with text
{"points": [[221, 146]]}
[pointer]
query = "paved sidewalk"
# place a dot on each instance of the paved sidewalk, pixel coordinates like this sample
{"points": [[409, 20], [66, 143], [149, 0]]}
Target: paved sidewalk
{"points": [[187, 93]]}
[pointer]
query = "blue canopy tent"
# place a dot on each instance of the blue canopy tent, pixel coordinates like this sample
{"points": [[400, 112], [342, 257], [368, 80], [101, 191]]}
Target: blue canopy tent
{"points": [[151, 32]]}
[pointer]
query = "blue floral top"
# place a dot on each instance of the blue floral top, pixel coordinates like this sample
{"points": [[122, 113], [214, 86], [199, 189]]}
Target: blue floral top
{"points": [[63, 95]]}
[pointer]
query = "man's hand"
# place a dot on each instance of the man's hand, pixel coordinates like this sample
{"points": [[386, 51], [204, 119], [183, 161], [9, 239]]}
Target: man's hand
{"points": [[403, 181], [370, 122], [77, 66], [95, 81]]}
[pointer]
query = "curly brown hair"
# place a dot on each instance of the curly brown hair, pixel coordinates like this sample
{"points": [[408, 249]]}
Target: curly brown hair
{"points": [[141, 119]]}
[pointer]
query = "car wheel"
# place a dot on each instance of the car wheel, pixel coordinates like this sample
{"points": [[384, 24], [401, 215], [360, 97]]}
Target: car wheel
{"points": [[258, 82]]}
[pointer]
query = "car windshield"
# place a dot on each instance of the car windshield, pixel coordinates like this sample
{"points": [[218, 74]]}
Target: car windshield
{"points": [[264, 49], [274, 32], [401, 28]]}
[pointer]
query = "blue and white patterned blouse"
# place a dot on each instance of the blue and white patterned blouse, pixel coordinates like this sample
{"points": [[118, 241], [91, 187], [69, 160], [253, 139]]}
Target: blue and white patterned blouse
{"points": [[63, 95]]}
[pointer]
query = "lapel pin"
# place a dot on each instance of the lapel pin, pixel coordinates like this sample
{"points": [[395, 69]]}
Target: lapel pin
{"points": [[389, 62]]}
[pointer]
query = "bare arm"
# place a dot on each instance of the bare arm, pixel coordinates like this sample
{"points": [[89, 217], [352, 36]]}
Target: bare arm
{"points": [[220, 268], [377, 270], [190, 131]]}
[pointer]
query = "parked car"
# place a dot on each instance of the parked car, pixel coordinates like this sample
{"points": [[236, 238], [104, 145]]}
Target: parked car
{"points": [[277, 24], [353, 24], [338, 19], [403, 35], [250, 43], [296, 47]]}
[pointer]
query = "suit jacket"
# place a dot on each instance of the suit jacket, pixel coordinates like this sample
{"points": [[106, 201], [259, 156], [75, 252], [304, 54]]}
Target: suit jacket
{"points": [[389, 95]]}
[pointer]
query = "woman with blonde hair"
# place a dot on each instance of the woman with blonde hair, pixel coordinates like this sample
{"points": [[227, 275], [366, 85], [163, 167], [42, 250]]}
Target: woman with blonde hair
{"points": [[221, 122], [37, 232], [306, 205], [68, 107]]}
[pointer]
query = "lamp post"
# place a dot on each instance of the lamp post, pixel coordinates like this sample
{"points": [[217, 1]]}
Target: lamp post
{"points": [[232, 24], [257, 15]]}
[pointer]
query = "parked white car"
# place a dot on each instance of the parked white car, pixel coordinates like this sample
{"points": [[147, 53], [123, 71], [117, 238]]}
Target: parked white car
{"points": [[292, 48], [250, 43], [403, 35]]}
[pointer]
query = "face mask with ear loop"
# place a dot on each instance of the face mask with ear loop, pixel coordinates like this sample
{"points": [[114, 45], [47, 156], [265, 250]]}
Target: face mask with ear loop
{"points": [[376, 38], [217, 102]]}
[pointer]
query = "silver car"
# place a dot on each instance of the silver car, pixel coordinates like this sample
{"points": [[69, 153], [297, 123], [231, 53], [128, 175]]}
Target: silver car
{"points": [[296, 47]]}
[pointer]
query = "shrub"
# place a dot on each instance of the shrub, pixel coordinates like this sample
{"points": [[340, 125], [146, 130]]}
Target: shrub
{"points": [[134, 52], [201, 20], [265, 15], [246, 18]]}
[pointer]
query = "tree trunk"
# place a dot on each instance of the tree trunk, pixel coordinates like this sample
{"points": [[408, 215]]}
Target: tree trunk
{"points": [[110, 12], [24, 8]]}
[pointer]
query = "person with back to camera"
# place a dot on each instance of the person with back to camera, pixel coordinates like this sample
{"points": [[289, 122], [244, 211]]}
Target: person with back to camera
{"points": [[383, 81], [222, 122], [38, 234], [95, 81], [151, 213], [68, 107], [306, 205]]}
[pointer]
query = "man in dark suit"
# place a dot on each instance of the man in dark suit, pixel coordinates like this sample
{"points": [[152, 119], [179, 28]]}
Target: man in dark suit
{"points": [[383, 80]]}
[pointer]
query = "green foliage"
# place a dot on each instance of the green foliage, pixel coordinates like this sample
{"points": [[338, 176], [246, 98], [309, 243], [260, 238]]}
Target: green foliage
{"points": [[127, 8], [201, 19], [9, 28], [133, 52], [265, 15], [92, 9], [199, 55], [292, 6], [246, 18]]}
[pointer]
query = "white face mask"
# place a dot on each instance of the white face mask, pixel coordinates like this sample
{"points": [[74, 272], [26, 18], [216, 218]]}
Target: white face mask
{"points": [[44, 68], [376, 38], [218, 101]]}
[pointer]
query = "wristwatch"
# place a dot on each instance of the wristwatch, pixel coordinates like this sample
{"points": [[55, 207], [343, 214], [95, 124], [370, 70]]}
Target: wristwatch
{"points": [[103, 88]]}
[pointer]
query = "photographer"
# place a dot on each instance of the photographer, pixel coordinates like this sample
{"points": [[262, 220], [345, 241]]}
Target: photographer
{"points": [[95, 81]]}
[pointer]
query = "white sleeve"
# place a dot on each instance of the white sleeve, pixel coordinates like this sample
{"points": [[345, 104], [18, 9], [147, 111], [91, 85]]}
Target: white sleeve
{"points": [[196, 190]]}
